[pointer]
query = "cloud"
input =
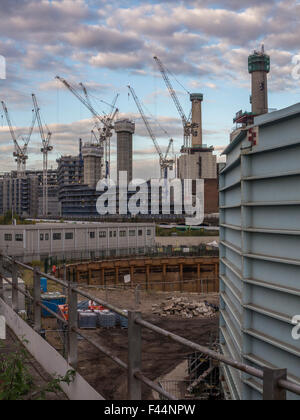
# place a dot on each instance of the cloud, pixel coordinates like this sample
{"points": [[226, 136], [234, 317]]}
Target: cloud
{"points": [[55, 84], [116, 61], [197, 84], [104, 39], [204, 43]]}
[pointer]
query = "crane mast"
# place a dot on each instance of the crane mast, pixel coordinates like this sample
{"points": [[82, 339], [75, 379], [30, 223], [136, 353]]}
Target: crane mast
{"points": [[187, 127], [20, 153], [164, 162], [46, 148], [105, 132], [171, 144], [113, 105]]}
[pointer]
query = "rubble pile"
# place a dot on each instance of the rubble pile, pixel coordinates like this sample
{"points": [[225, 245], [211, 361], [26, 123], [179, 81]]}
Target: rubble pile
{"points": [[184, 308]]}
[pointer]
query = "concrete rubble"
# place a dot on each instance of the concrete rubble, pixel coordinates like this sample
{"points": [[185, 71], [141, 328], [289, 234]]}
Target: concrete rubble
{"points": [[184, 308]]}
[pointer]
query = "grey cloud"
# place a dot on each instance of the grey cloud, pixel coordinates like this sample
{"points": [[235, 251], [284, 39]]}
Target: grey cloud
{"points": [[103, 39]]}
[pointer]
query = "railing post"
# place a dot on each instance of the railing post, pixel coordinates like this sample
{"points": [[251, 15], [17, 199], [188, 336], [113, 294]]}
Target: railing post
{"points": [[65, 279], [271, 390], [137, 296], [1, 278], [134, 356], [14, 292], [36, 301], [1, 287], [72, 324]]}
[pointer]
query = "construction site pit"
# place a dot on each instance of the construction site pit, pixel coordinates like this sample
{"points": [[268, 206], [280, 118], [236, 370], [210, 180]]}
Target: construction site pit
{"points": [[163, 360]]}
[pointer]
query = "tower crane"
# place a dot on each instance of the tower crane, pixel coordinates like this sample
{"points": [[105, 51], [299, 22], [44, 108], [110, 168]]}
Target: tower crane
{"points": [[186, 122], [105, 132], [165, 163], [105, 135], [20, 152], [46, 148], [84, 102]]}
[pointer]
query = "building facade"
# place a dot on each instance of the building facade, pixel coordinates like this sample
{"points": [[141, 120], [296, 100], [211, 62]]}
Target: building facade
{"points": [[199, 163], [259, 250], [93, 155], [70, 170], [24, 195], [78, 201], [19, 195]]}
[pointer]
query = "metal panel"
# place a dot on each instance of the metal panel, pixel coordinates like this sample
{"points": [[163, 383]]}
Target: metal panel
{"points": [[259, 251]]}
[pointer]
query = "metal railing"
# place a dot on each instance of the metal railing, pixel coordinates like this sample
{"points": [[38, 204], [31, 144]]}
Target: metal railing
{"points": [[84, 256], [275, 383]]}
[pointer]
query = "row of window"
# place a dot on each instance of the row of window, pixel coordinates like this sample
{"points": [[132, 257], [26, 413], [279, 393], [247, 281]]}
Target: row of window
{"points": [[18, 237], [123, 233], [56, 236], [8, 237]]}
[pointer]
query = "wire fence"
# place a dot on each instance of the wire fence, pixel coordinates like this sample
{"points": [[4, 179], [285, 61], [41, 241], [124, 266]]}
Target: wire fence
{"points": [[86, 255]]}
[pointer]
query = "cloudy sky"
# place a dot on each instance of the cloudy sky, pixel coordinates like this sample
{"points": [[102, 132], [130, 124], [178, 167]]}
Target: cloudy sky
{"points": [[108, 44]]}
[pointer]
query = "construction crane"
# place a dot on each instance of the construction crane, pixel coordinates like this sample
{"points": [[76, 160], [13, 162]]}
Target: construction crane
{"points": [[164, 162], [105, 132], [105, 135], [84, 101], [46, 148], [20, 152], [186, 122]]}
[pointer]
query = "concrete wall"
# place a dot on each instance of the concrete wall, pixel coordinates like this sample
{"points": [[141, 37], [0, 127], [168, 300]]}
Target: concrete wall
{"points": [[198, 165]]}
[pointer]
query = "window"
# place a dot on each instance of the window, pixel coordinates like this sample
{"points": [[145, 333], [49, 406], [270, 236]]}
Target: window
{"points": [[113, 234], [123, 234], [92, 235], [102, 234], [140, 232], [19, 237], [46, 236], [69, 236], [132, 233], [149, 232], [8, 237], [56, 236], [41, 237]]}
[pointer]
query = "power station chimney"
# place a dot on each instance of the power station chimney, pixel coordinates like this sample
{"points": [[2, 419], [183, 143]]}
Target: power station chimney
{"points": [[196, 99], [259, 67], [125, 130], [93, 162]]}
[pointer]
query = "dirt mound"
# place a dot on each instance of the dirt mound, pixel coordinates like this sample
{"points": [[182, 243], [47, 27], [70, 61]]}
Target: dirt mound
{"points": [[184, 308]]}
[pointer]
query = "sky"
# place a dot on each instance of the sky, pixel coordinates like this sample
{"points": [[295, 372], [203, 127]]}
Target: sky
{"points": [[108, 44]]}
